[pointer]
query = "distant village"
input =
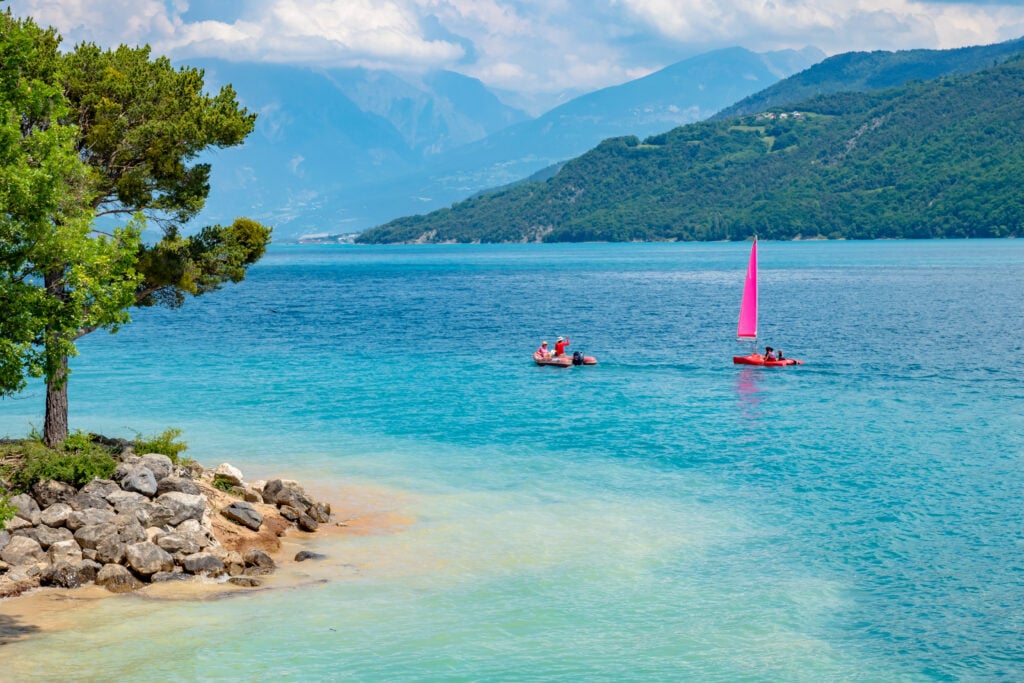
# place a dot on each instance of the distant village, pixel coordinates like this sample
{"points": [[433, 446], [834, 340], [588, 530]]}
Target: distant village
{"points": [[326, 238]]}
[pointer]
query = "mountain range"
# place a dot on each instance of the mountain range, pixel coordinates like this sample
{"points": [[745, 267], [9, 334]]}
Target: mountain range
{"points": [[343, 150], [927, 158]]}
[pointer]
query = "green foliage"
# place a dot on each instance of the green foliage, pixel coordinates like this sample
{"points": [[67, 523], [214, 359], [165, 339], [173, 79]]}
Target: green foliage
{"points": [[6, 511], [166, 442], [91, 133], [222, 484], [78, 462], [930, 159]]}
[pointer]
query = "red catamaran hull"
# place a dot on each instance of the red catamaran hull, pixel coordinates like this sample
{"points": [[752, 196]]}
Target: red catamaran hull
{"points": [[758, 359]]}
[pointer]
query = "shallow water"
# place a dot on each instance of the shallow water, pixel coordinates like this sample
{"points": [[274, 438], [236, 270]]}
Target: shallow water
{"points": [[664, 515]]}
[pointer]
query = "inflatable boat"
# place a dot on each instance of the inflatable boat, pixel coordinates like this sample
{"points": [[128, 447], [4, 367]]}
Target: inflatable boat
{"points": [[759, 359], [562, 361]]}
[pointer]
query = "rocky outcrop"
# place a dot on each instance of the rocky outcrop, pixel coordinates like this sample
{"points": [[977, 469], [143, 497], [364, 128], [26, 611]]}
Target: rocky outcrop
{"points": [[153, 521]]}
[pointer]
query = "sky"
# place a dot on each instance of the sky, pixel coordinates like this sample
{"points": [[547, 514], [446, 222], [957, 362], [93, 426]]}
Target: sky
{"points": [[540, 52]]}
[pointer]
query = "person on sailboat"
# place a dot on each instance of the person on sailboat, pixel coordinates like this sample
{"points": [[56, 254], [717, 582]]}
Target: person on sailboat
{"points": [[769, 353], [543, 350], [778, 354], [560, 345]]}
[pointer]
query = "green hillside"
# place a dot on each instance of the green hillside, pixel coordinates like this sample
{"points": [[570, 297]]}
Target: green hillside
{"points": [[942, 158], [867, 71]]}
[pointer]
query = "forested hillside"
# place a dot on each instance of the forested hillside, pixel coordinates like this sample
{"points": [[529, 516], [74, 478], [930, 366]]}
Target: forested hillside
{"points": [[942, 158], [866, 71]]}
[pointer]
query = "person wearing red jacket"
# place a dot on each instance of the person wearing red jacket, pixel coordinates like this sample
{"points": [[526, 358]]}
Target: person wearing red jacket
{"points": [[560, 345]]}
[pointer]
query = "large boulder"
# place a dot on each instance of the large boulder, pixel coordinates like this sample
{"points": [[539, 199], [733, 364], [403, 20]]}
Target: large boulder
{"points": [[229, 474], [126, 501], [137, 478], [22, 550], [47, 492], [282, 492], [101, 488], [5, 538], [171, 509], [25, 507], [241, 512], [69, 574], [64, 551], [254, 557], [159, 464], [179, 484], [91, 535], [117, 579], [88, 517], [45, 535], [86, 500], [56, 515], [175, 542], [203, 564], [147, 558]]}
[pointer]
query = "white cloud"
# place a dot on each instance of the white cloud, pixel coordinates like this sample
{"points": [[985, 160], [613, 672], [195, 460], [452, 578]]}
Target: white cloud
{"points": [[531, 46]]}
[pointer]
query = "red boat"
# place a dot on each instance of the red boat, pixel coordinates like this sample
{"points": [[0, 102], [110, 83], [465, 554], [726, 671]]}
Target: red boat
{"points": [[561, 361], [759, 359], [747, 329]]}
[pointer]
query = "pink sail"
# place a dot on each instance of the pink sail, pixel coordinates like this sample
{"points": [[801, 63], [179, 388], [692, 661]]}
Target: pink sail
{"points": [[747, 329]]}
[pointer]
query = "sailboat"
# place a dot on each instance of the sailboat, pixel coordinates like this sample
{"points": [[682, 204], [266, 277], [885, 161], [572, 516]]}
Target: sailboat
{"points": [[746, 331]]}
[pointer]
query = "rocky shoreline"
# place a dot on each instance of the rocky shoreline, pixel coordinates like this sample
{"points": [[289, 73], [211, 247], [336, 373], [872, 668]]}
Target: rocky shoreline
{"points": [[152, 522]]}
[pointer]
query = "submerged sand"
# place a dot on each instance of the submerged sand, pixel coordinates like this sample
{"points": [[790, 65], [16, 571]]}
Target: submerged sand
{"points": [[356, 511]]}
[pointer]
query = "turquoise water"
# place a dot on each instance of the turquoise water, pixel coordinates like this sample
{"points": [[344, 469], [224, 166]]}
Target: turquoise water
{"points": [[664, 515]]}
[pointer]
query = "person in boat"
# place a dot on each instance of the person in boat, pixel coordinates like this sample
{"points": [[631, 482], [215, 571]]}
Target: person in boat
{"points": [[769, 353], [560, 345], [543, 350], [778, 354]]}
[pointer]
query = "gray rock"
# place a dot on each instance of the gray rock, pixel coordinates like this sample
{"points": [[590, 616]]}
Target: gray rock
{"points": [[48, 492], [89, 536], [174, 508], [129, 530], [307, 523], [89, 501], [175, 542], [18, 523], [234, 563], [67, 575], [101, 488], [46, 536], [281, 492], [179, 484], [22, 550], [64, 551], [117, 579], [109, 550], [148, 558], [159, 464], [56, 515], [26, 507], [289, 513], [24, 572], [252, 496], [196, 531], [241, 512], [138, 478], [5, 538], [204, 564], [163, 577], [254, 557], [90, 516], [229, 474], [245, 581], [304, 555], [125, 501], [320, 512]]}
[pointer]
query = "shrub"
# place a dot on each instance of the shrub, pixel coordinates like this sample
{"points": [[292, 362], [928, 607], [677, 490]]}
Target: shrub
{"points": [[221, 483], [164, 443], [6, 511], [77, 467]]}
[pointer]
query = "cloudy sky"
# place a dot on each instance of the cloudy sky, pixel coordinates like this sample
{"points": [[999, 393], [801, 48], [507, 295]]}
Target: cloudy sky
{"points": [[543, 49]]}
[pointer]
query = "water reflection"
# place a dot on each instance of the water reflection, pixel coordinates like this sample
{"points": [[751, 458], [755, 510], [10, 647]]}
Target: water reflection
{"points": [[748, 391]]}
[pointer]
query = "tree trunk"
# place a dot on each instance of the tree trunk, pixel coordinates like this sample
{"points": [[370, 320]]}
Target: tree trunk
{"points": [[55, 426]]}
